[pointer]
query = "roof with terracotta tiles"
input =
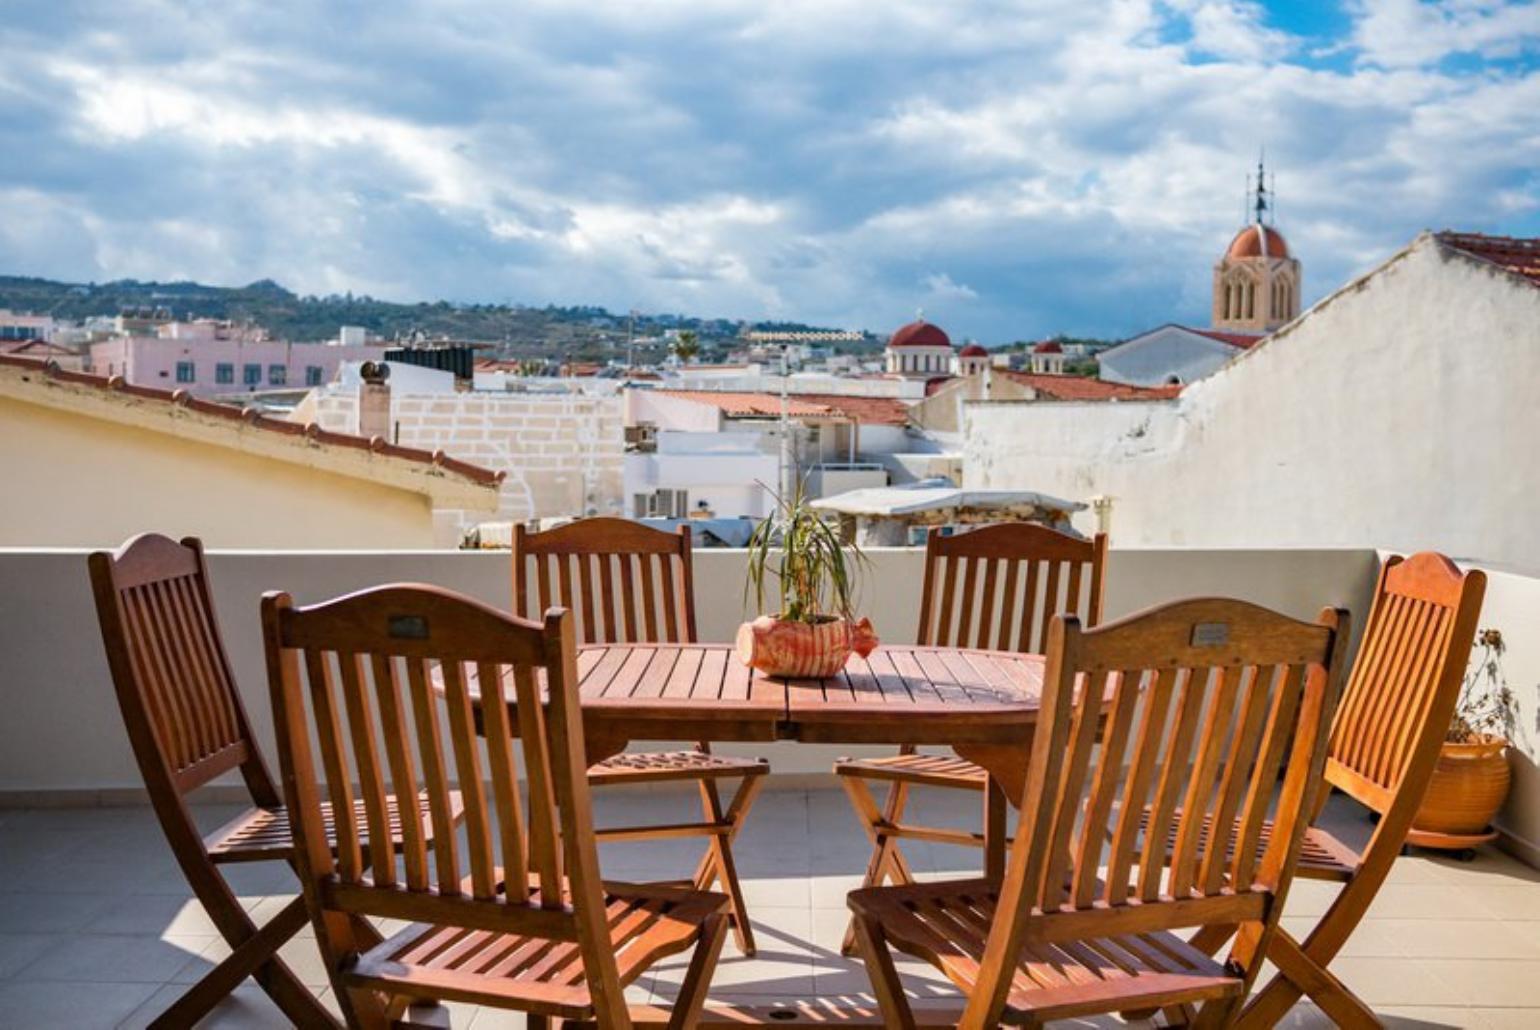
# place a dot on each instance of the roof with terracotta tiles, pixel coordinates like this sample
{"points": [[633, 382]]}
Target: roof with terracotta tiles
{"points": [[1245, 341], [864, 410], [116, 386], [1517, 255], [1080, 388]]}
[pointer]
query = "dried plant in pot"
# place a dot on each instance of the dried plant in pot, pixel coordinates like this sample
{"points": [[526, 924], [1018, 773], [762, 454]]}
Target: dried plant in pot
{"points": [[1471, 779], [796, 554]]}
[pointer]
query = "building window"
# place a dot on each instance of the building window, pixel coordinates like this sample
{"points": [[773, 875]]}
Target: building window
{"points": [[224, 373], [185, 372], [251, 375], [277, 375], [661, 504], [312, 375]]}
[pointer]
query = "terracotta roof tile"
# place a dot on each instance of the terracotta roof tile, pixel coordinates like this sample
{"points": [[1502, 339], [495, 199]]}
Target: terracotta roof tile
{"points": [[1517, 255], [865, 410], [1245, 341], [1080, 388], [181, 398]]}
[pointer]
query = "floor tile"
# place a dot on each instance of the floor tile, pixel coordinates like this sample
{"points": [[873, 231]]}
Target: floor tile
{"points": [[101, 958], [79, 1006]]}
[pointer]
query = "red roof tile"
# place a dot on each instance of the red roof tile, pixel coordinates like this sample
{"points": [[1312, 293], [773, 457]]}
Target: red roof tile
{"points": [[181, 398], [1080, 388], [1519, 256], [1245, 341], [864, 410]]}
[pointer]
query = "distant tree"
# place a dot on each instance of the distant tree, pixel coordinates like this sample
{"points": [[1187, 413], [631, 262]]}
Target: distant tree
{"points": [[687, 346]]}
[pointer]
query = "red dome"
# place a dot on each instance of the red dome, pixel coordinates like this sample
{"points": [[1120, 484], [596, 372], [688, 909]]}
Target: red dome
{"points": [[1048, 347], [920, 334], [973, 350], [1258, 241]]}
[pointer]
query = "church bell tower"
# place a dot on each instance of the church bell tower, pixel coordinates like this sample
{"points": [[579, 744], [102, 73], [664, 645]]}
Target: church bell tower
{"points": [[1256, 282]]}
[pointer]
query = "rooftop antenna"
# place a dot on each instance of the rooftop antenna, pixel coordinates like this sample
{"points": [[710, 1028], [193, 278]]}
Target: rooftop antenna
{"points": [[1261, 201]]}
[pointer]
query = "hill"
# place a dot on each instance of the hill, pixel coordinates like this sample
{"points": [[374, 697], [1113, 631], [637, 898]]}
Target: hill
{"points": [[584, 331]]}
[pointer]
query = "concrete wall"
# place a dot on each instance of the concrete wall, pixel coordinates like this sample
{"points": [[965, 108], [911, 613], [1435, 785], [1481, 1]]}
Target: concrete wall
{"points": [[72, 481], [62, 731], [1399, 413], [561, 452]]}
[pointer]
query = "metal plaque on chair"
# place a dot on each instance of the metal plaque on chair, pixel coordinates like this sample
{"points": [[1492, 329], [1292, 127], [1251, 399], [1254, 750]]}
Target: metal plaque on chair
{"points": [[407, 627], [1210, 634]]}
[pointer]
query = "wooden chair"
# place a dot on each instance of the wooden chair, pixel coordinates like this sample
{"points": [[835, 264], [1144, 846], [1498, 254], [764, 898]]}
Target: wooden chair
{"points": [[655, 603], [1384, 745], [1201, 702], [507, 918], [1045, 572], [187, 725]]}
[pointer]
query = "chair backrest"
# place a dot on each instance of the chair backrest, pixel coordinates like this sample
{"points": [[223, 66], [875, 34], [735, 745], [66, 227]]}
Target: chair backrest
{"points": [[655, 602], [1045, 573], [178, 696], [383, 678], [1405, 681], [1158, 727]]}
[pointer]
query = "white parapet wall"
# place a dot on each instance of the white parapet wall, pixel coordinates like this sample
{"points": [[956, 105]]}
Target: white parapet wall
{"points": [[62, 738]]}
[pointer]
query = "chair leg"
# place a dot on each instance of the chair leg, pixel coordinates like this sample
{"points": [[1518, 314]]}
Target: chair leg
{"points": [[718, 863], [886, 985], [697, 978], [1299, 973], [254, 953], [886, 861]]}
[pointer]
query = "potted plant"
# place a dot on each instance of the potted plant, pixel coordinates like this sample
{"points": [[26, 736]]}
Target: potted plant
{"points": [[814, 629], [1471, 779]]}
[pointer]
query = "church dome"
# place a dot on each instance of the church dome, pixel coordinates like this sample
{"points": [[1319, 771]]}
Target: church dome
{"points": [[1048, 347], [919, 334], [1258, 240], [973, 350]]}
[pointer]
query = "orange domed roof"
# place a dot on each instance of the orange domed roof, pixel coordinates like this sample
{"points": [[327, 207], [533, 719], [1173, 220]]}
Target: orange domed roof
{"points": [[920, 334], [1258, 241], [1048, 347], [973, 350]]}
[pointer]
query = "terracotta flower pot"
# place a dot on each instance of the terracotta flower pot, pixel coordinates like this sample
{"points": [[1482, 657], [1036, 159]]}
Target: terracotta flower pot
{"points": [[781, 648], [1469, 785]]}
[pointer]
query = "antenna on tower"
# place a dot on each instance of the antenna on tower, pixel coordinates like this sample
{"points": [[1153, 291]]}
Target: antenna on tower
{"points": [[1261, 201]]}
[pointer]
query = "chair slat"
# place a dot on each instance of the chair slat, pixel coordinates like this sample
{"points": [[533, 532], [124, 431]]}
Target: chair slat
{"points": [[1237, 772], [403, 773], [943, 635], [1050, 599], [1025, 640], [505, 787], [339, 778], [545, 859], [467, 754], [430, 745], [366, 756], [1007, 605], [649, 599], [1140, 775], [969, 602], [1275, 739], [1200, 783], [1192, 689], [1109, 777], [628, 595], [667, 573]]}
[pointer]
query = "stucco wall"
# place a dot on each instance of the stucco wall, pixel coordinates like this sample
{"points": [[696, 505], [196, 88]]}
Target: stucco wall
{"points": [[72, 481], [62, 730], [1398, 413], [561, 452]]}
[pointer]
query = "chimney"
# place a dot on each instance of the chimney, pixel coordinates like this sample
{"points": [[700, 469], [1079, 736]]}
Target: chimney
{"points": [[374, 401]]}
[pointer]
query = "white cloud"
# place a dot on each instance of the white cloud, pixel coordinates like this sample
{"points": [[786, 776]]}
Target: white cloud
{"points": [[1018, 167]]}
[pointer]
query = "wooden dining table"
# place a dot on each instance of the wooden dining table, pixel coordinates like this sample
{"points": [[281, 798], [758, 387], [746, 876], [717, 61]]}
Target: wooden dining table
{"points": [[983, 704]]}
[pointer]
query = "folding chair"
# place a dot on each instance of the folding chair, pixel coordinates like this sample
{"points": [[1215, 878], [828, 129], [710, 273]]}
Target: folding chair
{"points": [[1384, 745], [655, 603], [1045, 572], [1190, 708], [187, 726], [507, 919]]}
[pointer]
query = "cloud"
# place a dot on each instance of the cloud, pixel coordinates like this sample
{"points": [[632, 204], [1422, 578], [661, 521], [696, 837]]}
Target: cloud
{"points": [[1019, 168]]}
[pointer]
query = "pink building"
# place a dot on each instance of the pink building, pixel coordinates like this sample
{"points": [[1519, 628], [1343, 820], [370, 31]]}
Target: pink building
{"points": [[209, 359]]}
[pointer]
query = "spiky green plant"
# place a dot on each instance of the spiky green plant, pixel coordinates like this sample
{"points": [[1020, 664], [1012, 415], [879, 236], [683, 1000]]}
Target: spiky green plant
{"points": [[815, 572]]}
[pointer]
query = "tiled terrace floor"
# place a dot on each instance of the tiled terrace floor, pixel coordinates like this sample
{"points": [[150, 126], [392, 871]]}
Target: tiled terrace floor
{"points": [[97, 928]]}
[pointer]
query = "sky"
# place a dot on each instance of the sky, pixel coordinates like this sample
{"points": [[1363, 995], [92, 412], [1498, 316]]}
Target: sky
{"points": [[1014, 169]]}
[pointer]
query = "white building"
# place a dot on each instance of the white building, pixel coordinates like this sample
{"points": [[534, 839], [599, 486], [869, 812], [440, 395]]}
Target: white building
{"points": [[1172, 355], [1398, 412]]}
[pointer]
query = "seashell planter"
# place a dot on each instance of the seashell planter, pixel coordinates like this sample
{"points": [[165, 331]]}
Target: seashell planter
{"points": [[813, 650]]}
